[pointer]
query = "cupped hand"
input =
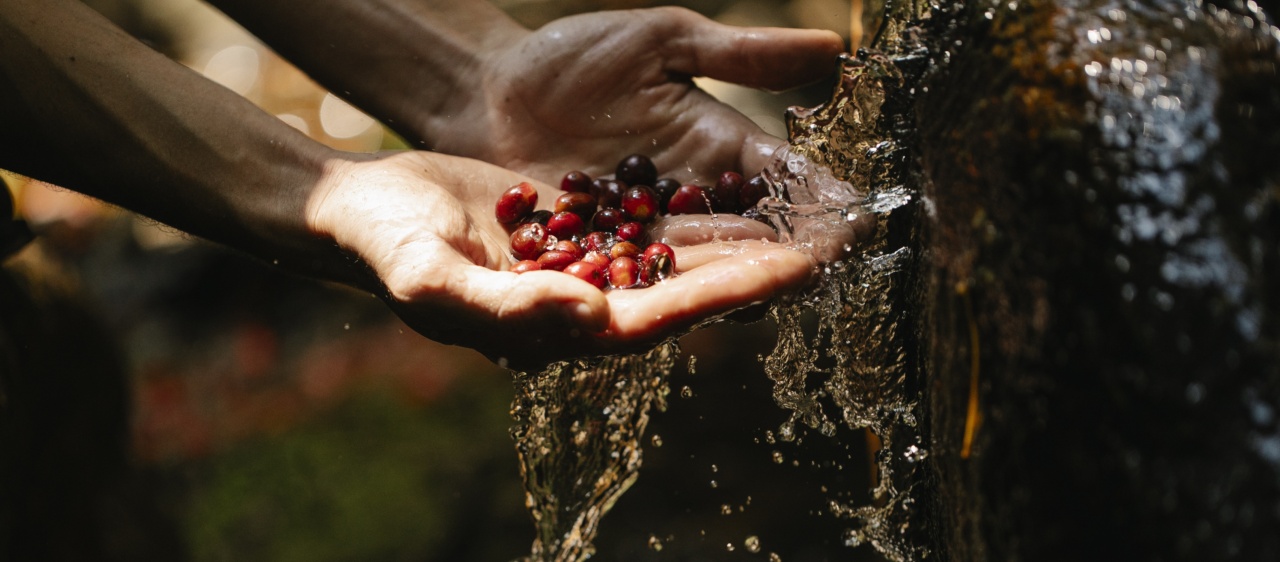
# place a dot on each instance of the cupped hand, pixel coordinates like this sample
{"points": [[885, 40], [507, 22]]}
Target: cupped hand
{"points": [[584, 91], [422, 225]]}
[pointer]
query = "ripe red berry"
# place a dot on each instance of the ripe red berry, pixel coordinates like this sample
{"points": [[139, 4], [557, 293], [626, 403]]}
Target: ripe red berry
{"points": [[631, 232], [555, 260], [608, 193], [636, 169], [659, 249], [727, 192], [581, 204], [528, 241], [576, 182], [525, 266], [689, 199], [607, 219], [598, 241], [589, 272], [571, 247], [623, 273], [753, 191], [599, 258], [640, 203], [565, 225], [624, 249], [515, 203], [656, 268]]}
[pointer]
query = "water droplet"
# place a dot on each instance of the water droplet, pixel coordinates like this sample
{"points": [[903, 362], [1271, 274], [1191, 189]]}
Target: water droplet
{"points": [[656, 440], [715, 468], [773, 557], [686, 392], [787, 431], [752, 543], [777, 457], [346, 326], [715, 484], [726, 509], [728, 547], [655, 543]]}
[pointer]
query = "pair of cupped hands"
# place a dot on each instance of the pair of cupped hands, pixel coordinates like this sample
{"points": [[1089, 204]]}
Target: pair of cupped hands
{"points": [[579, 93]]}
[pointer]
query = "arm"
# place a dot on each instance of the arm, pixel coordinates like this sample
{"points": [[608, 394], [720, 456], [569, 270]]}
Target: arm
{"points": [[461, 77]]}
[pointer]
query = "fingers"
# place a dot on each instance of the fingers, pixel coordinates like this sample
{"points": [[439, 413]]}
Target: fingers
{"points": [[761, 57], [688, 230]]}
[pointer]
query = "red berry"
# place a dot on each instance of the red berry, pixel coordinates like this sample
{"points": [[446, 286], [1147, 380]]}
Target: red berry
{"points": [[636, 169], [753, 191], [589, 272], [599, 258], [529, 240], [624, 250], [525, 266], [631, 232], [576, 182], [608, 219], [581, 204], [658, 248], [608, 192], [689, 199], [540, 216], [727, 192], [515, 203], [665, 188], [640, 203], [571, 247], [623, 273], [598, 241], [565, 225], [656, 268], [555, 260]]}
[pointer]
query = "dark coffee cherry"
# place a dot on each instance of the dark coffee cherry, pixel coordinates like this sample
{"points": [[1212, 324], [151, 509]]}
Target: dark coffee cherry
{"points": [[623, 273], [640, 203], [576, 182], [540, 216], [555, 260], [529, 240], [589, 272], [516, 203], [636, 169], [659, 249], [565, 225], [578, 203], [690, 199], [525, 266], [599, 258], [608, 219], [624, 249], [598, 241], [632, 232], [753, 191], [665, 188], [571, 247], [727, 192], [608, 193]]}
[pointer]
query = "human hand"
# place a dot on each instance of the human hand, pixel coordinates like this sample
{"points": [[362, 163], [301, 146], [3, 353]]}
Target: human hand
{"points": [[423, 225], [586, 90]]}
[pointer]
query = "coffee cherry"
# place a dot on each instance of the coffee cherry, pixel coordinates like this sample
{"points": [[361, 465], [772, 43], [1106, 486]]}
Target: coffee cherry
{"points": [[529, 240], [515, 203], [576, 182], [525, 266], [640, 203], [727, 192], [599, 258], [589, 272], [570, 247], [598, 241], [753, 191], [540, 216], [555, 260], [581, 204], [624, 250], [689, 199], [631, 232], [565, 225], [659, 249], [665, 188], [608, 193], [607, 219], [657, 268], [623, 273], [636, 169]]}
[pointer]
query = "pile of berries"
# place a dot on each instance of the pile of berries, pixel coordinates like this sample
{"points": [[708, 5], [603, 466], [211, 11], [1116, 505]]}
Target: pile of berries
{"points": [[597, 228]]}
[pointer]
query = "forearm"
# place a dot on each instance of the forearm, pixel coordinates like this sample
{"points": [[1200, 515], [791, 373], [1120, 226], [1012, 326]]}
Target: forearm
{"points": [[89, 108], [416, 64]]}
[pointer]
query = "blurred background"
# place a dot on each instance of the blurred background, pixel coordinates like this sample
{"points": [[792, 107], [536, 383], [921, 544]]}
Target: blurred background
{"points": [[200, 405]]}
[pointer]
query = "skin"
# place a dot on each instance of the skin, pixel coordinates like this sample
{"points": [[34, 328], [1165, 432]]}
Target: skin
{"points": [[87, 107]]}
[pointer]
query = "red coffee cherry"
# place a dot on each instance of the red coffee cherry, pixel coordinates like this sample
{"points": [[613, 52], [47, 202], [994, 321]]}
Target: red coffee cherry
{"points": [[599, 258], [525, 266], [581, 204], [589, 272], [571, 247], [631, 232], [623, 273], [608, 219], [529, 240], [565, 225], [636, 169], [515, 203], [608, 193], [624, 249], [659, 249], [727, 192], [640, 203], [555, 260], [656, 268], [598, 241], [753, 191], [688, 200], [576, 182]]}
